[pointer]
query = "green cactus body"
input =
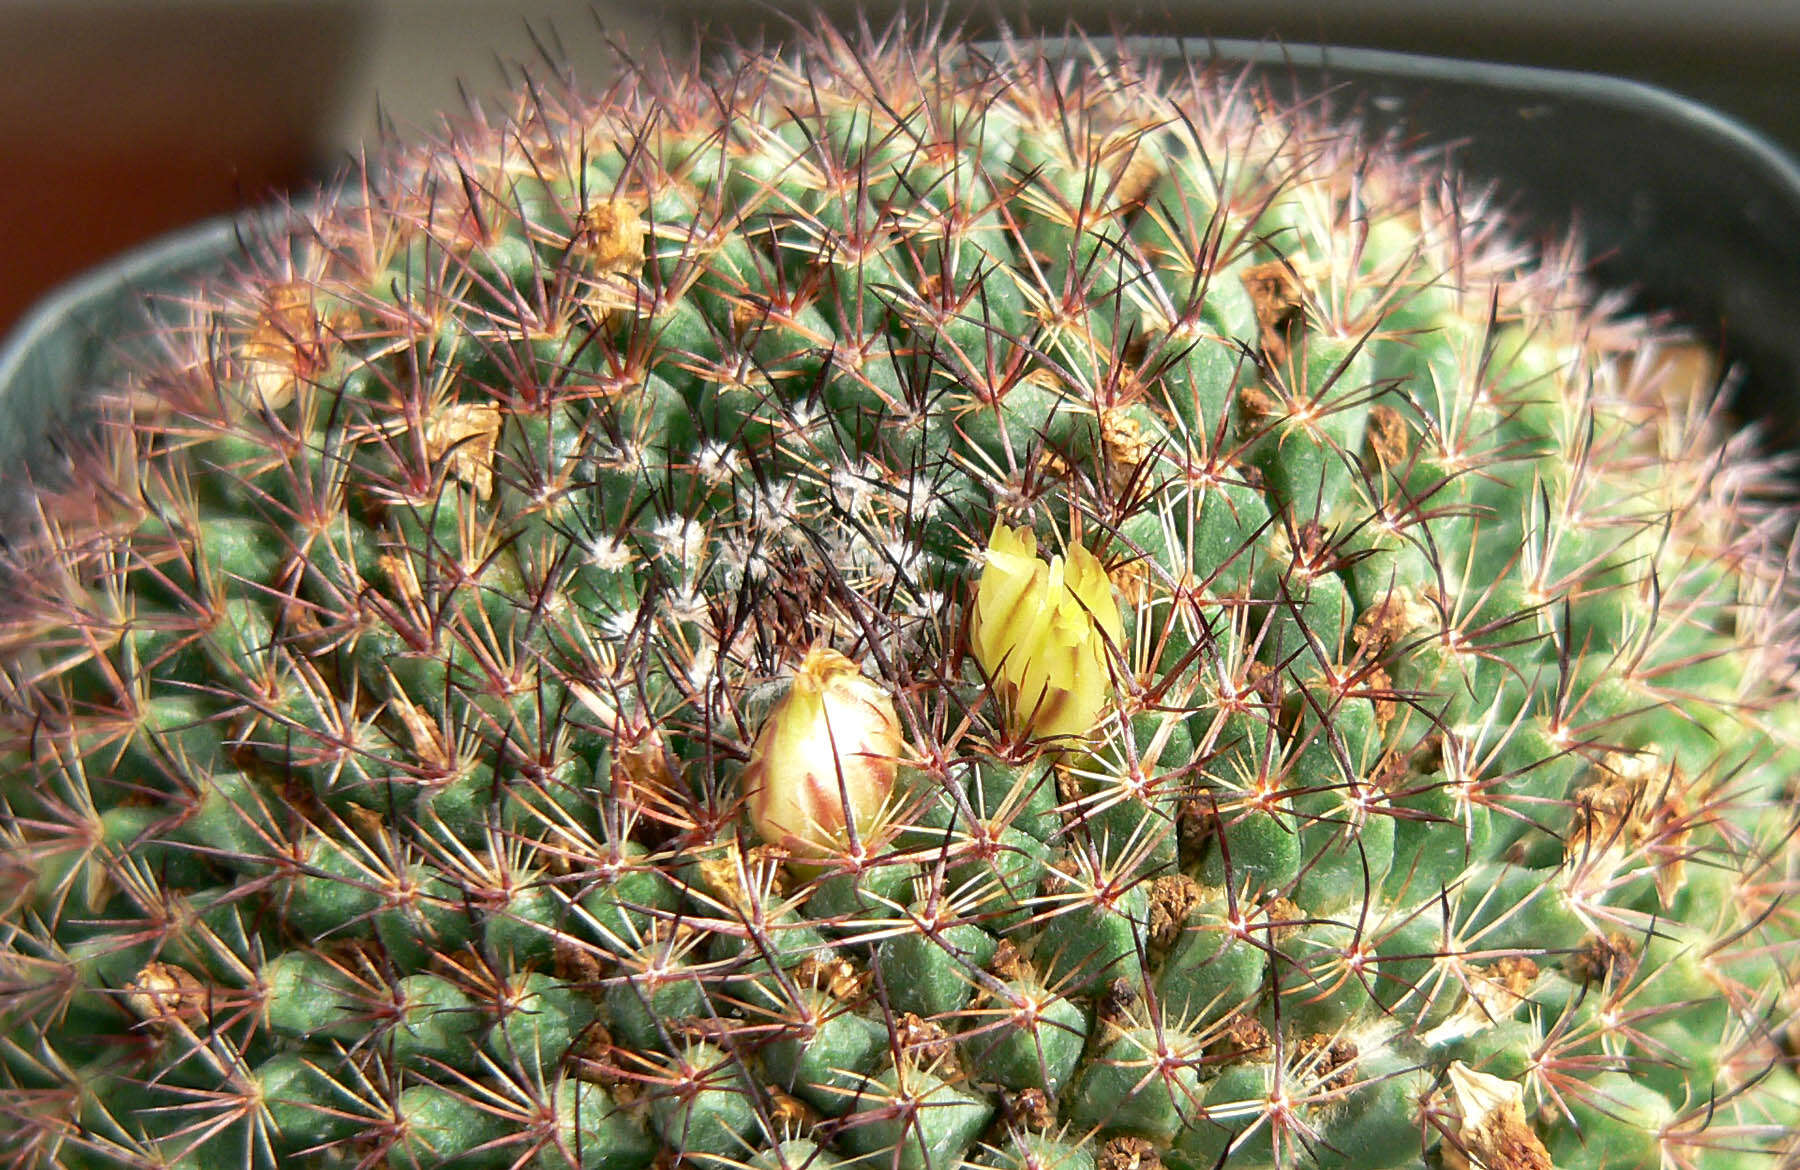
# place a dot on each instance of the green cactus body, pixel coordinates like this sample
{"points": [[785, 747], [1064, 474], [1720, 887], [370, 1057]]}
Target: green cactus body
{"points": [[891, 609]]}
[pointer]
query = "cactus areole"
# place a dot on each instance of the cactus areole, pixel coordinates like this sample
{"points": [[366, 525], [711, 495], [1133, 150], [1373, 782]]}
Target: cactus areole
{"points": [[893, 607]]}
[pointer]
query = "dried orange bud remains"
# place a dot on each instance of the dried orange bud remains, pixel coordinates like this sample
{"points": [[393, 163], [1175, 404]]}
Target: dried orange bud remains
{"points": [[825, 758], [1042, 633]]}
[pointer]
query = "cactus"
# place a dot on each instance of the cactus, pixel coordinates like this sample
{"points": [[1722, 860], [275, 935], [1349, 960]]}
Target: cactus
{"points": [[895, 606]]}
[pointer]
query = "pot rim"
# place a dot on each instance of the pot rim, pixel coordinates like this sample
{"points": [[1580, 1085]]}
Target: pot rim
{"points": [[1689, 213], [136, 270], [1390, 90], [1362, 65]]}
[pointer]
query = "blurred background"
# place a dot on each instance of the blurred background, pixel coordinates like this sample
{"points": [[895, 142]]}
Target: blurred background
{"points": [[122, 119]]}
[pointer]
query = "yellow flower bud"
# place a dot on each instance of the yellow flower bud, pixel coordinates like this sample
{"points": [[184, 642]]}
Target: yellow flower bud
{"points": [[1041, 631], [825, 758]]}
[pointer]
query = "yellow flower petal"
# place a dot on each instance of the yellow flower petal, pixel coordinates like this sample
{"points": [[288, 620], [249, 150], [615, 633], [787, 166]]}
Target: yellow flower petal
{"points": [[1041, 631]]}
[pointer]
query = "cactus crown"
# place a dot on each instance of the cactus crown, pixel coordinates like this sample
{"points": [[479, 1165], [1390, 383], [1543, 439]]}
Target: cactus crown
{"points": [[900, 606]]}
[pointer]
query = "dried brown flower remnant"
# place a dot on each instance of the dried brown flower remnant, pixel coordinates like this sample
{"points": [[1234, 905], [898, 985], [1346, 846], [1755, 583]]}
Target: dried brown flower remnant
{"points": [[1171, 897], [392, 725], [1129, 1153], [1327, 1061], [464, 434], [1007, 963], [612, 235], [1494, 1134], [1389, 437], [164, 993], [1275, 293], [284, 346], [837, 977], [1241, 1037], [789, 1113], [1030, 1109], [1516, 973], [1604, 958], [925, 1039], [1399, 617], [1603, 811], [1117, 1001], [1634, 804]]}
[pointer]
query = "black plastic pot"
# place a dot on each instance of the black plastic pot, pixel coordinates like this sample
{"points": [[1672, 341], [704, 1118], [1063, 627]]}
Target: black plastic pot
{"points": [[1690, 211], [73, 341]]}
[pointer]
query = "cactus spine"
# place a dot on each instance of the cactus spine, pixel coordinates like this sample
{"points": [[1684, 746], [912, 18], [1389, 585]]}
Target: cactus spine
{"points": [[892, 608]]}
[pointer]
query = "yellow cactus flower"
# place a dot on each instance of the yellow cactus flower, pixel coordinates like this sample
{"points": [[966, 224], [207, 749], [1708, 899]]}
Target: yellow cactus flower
{"points": [[1041, 631], [825, 758]]}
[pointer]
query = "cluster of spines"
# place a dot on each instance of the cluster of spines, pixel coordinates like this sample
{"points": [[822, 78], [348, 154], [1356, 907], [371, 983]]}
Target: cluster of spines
{"points": [[468, 546]]}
